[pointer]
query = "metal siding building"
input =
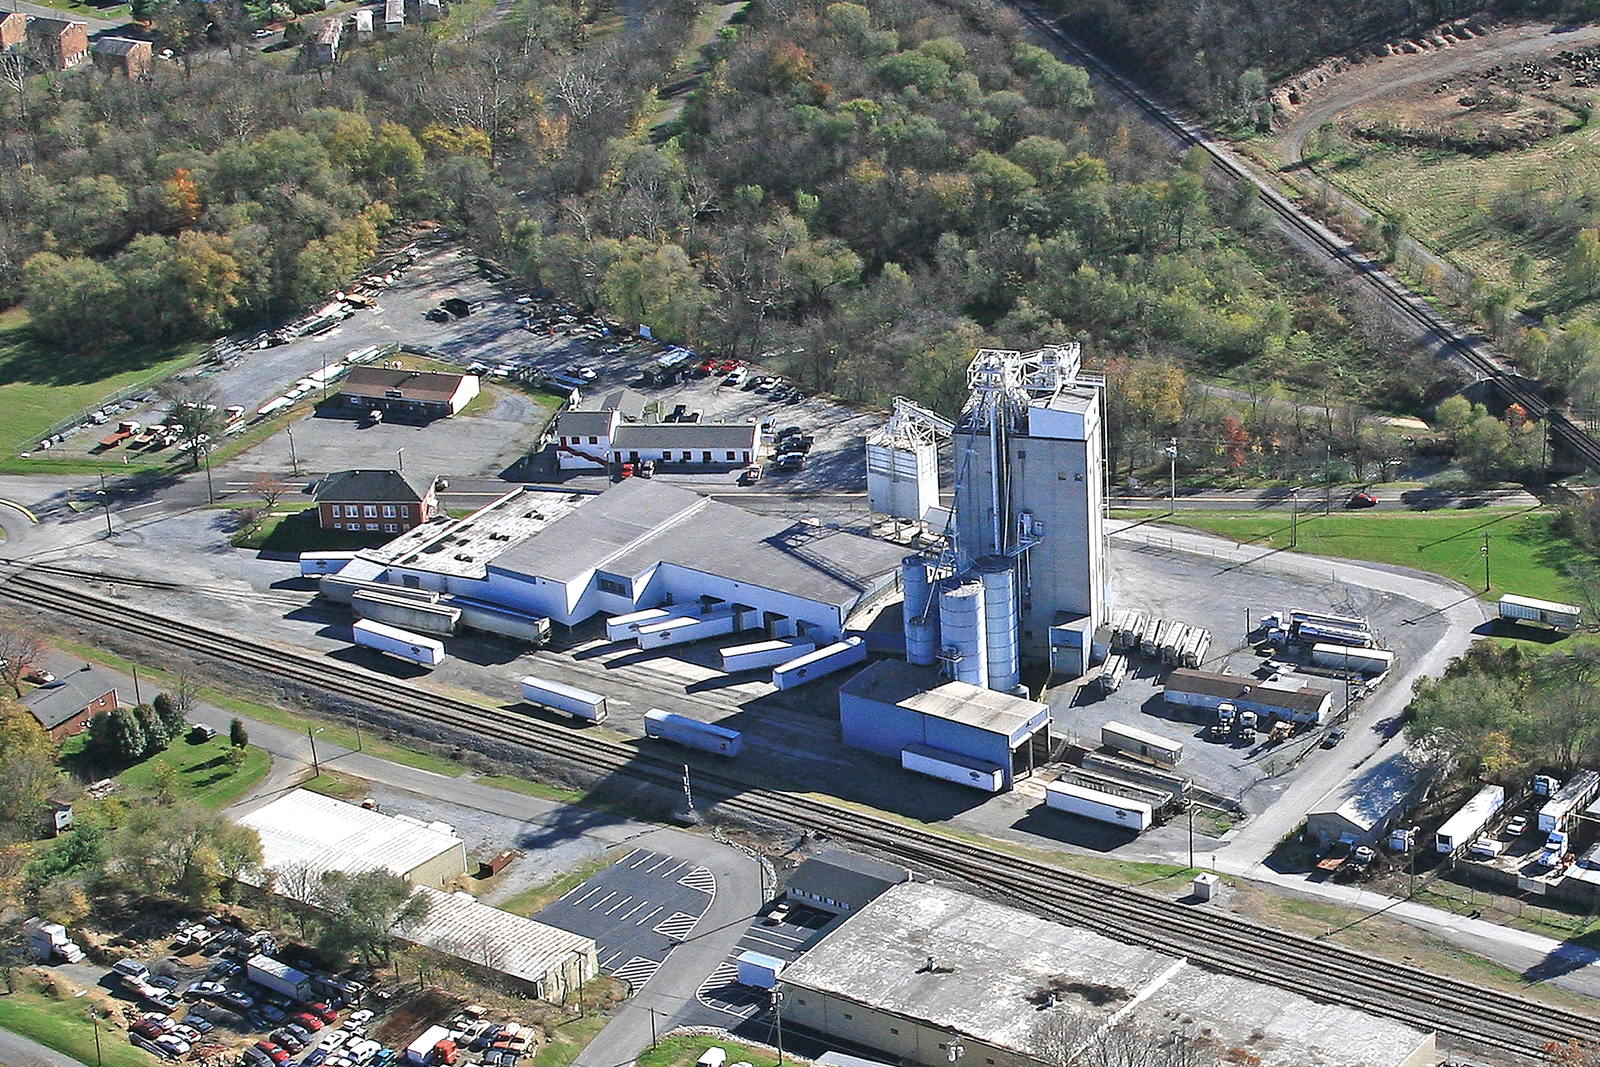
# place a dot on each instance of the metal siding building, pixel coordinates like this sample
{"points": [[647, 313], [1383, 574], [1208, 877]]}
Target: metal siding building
{"points": [[1204, 689], [551, 961], [892, 704], [1362, 808], [922, 966], [308, 832]]}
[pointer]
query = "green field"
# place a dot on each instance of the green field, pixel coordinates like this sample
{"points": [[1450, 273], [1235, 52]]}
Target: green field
{"points": [[203, 773], [682, 1050], [64, 1026], [1525, 553], [39, 387]]}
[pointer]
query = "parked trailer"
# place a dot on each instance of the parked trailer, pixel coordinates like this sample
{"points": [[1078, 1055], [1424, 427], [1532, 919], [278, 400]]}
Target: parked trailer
{"points": [[437, 619], [1177, 636], [1112, 674], [1119, 629], [824, 661], [1194, 653], [1144, 774], [626, 627], [1158, 799], [1155, 632], [763, 654], [1308, 633], [1577, 792], [759, 970], [682, 629], [1344, 657], [1544, 612], [1138, 625], [397, 642], [1319, 618], [339, 588], [314, 564], [579, 703], [279, 977], [1141, 743], [1466, 824], [491, 619], [705, 736], [953, 767], [1101, 807]]}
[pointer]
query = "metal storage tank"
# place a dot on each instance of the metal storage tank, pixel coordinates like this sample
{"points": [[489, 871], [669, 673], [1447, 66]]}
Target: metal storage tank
{"points": [[961, 621], [921, 624], [1000, 622]]}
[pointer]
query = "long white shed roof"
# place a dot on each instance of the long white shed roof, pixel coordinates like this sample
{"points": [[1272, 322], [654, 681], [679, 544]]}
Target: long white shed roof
{"points": [[318, 833]]}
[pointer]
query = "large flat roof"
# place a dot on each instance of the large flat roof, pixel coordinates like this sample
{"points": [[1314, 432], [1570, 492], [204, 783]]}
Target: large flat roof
{"points": [[917, 689], [1237, 687], [991, 963], [430, 386], [457, 924], [465, 547], [314, 833]]}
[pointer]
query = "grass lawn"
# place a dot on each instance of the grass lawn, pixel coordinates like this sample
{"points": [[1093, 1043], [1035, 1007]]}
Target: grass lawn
{"points": [[64, 1026], [1525, 553], [39, 386], [571, 1037], [203, 773], [108, 12], [339, 786], [298, 532], [684, 1049]]}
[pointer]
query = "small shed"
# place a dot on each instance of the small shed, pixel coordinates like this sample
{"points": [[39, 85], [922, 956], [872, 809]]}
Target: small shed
{"points": [[841, 882], [1362, 808]]}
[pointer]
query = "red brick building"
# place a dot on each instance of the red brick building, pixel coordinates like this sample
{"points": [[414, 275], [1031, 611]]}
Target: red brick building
{"points": [[65, 706], [13, 30], [58, 43], [123, 55], [378, 502]]}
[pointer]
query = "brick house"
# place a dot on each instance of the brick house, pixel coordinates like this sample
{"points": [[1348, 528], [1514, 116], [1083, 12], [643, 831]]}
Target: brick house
{"points": [[58, 43], [65, 707], [13, 30], [122, 54], [386, 502]]}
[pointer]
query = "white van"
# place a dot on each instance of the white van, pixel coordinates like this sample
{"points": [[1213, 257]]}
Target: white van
{"points": [[715, 1056]]}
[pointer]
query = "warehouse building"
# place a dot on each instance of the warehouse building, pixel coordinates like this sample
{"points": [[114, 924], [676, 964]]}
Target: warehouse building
{"points": [[841, 882], [551, 962], [304, 835], [894, 705], [1292, 700], [594, 439], [1362, 808], [923, 968], [642, 544], [407, 395]]}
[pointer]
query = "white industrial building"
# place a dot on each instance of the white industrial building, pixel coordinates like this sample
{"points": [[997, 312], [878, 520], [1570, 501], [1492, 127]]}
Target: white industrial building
{"points": [[923, 967], [642, 544], [1292, 699], [306, 835], [1365, 806], [595, 438], [1023, 578]]}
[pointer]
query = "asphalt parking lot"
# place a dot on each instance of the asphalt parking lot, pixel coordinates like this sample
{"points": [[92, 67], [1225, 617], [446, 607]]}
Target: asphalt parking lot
{"points": [[637, 910], [721, 1000]]}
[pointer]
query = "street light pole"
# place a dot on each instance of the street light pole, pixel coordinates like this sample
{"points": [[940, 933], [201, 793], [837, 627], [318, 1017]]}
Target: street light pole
{"points": [[105, 501], [1485, 562], [777, 1011], [1171, 452], [294, 461], [1294, 517]]}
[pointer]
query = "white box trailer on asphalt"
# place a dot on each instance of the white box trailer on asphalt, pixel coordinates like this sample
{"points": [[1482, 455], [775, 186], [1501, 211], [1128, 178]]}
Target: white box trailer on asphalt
{"points": [[1544, 612], [1459, 829], [682, 629], [493, 619], [414, 648], [759, 970], [953, 767], [763, 654], [824, 661], [438, 620], [315, 564], [1101, 807], [692, 733], [626, 627], [1344, 657], [579, 703], [1141, 743]]}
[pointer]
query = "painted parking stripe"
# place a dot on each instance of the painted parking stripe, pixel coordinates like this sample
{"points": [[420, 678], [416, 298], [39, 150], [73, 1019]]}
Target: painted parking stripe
{"points": [[677, 925], [637, 971], [664, 859], [621, 903], [602, 900], [636, 907], [647, 918], [593, 889], [700, 879]]}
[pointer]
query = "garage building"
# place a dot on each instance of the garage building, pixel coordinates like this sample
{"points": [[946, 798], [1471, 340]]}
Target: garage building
{"points": [[550, 961], [892, 705], [1363, 808], [590, 440], [1293, 700], [923, 966], [407, 395], [570, 556], [305, 833]]}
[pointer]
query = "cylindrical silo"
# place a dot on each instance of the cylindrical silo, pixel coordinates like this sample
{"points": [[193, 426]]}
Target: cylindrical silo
{"points": [[962, 624], [914, 582], [999, 578]]}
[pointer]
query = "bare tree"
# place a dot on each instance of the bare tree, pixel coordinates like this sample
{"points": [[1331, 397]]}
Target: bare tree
{"points": [[20, 650], [269, 487], [1065, 1037]]}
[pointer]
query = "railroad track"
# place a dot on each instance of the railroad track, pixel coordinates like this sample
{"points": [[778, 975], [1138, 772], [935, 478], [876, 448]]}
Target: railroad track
{"points": [[1475, 1017], [1514, 388]]}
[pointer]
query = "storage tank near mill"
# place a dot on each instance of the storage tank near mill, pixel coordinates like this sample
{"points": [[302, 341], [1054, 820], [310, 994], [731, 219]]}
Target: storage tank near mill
{"points": [[921, 624], [1000, 621], [961, 621]]}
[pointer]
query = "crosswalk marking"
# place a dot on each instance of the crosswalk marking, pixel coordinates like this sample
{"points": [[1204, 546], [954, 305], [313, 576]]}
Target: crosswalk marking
{"points": [[700, 879], [637, 971], [677, 925]]}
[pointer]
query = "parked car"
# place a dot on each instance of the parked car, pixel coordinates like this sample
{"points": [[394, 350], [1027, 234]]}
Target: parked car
{"points": [[314, 1058], [287, 1040], [647, 469], [299, 1031], [272, 1051], [790, 462], [1517, 826], [1361, 499], [437, 315], [365, 1015], [779, 913], [198, 1023], [145, 1028], [309, 1021], [236, 1000], [164, 981], [254, 1057], [1335, 735], [175, 1045], [750, 475]]}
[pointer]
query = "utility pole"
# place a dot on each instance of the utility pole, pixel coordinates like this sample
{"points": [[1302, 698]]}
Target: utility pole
{"points": [[1294, 517], [294, 461], [652, 1029], [316, 768], [1485, 562], [1191, 835], [777, 1011], [1171, 452], [138, 698], [688, 792], [211, 494], [1327, 481], [105, 501]]}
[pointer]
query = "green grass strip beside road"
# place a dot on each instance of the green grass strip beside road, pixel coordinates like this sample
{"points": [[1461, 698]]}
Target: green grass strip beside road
{"points": [[1526, 553], [64, 1026]]}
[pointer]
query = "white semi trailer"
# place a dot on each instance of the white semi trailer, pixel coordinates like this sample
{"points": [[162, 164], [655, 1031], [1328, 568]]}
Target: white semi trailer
{"points": [[403, 644], [579, 703]]}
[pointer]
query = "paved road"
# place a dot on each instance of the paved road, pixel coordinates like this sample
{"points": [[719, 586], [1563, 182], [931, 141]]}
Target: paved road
{"points": [[1312, 500], [40, 11]]}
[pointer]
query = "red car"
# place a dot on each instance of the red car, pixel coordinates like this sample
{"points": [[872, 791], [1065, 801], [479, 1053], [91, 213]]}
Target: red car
{"points": [[307, 1020], [1361, 500], [323, 1012], [276, 1054], [145, 1028]]}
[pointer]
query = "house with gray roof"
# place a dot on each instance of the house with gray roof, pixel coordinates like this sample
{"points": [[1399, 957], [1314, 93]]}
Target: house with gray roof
{"points": [[65, 706], [377, 501]]}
